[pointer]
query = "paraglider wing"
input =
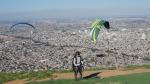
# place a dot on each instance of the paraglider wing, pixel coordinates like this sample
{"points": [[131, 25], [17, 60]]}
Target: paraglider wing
{"points": [[94, 34], [22, 23], [106, 25], [96, 27], [27, 30]]}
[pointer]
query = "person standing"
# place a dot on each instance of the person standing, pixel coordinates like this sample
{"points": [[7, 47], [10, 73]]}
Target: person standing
{"points": [[77, 65]]}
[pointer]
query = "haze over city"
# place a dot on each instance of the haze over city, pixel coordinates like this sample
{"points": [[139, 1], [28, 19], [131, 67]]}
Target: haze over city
{"points": [[39, 9]]}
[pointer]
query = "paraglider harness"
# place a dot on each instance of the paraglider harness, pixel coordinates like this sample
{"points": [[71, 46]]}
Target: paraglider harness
{"points": [[75, 64]]}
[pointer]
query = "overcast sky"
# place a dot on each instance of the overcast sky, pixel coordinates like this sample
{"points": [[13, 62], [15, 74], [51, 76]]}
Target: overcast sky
{"points": [[14, 9]]}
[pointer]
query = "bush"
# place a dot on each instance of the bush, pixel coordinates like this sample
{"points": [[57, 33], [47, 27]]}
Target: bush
{"points": [[146, 58]]}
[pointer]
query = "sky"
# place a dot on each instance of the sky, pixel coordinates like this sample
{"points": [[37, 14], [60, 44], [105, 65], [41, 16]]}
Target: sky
{"points": [[15, 9]]}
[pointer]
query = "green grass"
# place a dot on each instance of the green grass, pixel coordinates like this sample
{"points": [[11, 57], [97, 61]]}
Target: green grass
{"points": [[142, 78], [129, 67], [32, 75], [87, 69], [100, 68], [146, 58], [1, 82], [132, 67], [24, 75]]}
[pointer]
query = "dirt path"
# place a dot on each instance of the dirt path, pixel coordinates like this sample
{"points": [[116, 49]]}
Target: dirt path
{"points": [[15, 82], [103, 74]]}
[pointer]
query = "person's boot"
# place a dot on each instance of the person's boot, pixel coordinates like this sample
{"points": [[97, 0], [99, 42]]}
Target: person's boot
{"points": [[75, 77], [81, 76]]}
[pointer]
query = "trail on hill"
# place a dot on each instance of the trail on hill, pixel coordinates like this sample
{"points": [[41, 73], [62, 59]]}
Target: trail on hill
{"points": [[103, 74]]}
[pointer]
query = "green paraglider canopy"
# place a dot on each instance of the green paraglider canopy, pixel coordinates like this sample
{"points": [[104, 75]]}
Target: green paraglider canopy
{"points": [[96, 27]]}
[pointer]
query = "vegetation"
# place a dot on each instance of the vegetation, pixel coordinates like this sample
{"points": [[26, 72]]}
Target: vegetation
{"points": [[1, 82], [146, 58], [142, 78], [33, 75], [37, 75], [132, 67], [100, 68]]}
